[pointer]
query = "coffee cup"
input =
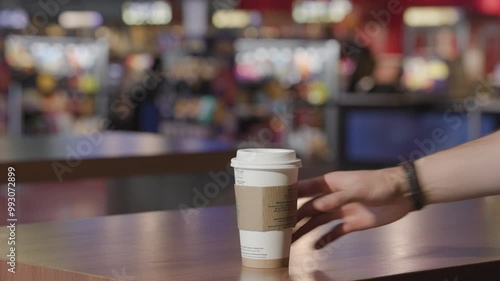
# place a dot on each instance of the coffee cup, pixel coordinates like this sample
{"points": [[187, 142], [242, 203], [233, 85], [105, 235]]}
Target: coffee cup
{"points": [[266, 203]]}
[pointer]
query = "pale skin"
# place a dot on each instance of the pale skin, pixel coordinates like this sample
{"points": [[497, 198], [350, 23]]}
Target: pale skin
{"points": [[369, 199]]}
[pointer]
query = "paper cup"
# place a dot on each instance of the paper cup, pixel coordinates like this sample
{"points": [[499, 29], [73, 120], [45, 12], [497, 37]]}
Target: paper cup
{"points": [[266, 201]]}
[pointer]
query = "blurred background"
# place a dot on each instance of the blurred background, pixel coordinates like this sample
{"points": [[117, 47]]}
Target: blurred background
{"points": [[348, 84]]}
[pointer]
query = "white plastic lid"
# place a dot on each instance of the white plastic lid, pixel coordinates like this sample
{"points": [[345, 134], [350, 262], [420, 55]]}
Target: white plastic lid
{"points": [[266, 158]]}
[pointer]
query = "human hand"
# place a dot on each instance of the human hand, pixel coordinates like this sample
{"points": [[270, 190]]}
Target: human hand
{"points": [[360, 199]]}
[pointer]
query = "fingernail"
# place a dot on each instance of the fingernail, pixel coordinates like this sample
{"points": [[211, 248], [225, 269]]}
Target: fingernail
{"points": [[319, 204]]}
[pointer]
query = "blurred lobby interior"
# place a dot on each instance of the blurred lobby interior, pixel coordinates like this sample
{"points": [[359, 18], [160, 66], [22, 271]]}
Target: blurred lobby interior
{"points": [[127, 106]]}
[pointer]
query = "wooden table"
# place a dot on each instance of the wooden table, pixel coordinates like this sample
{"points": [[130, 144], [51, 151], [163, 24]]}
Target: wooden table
{"points": [[109, 155], [459, 241]]}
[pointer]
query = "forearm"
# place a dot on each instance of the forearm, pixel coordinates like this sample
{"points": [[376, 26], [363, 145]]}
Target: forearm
{"points": [[468, 171]]}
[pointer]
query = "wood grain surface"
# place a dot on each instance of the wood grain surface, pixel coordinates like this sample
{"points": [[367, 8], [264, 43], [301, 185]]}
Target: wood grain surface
{"points": [[109, 155], [458, 241]]}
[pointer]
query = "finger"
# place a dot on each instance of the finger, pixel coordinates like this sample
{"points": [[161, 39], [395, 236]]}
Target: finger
{"points": [[333, 201], [313, 223], [338, 231], [307, 210], [314, 186]]}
